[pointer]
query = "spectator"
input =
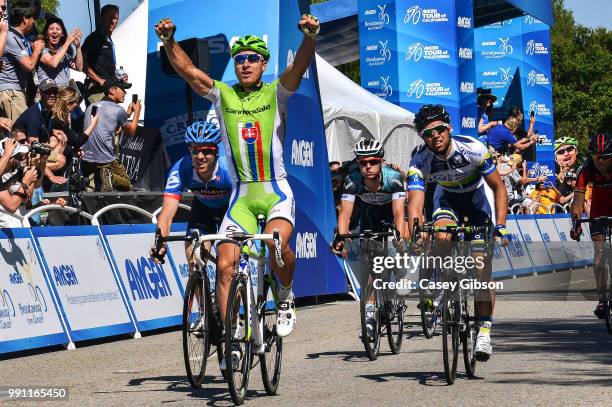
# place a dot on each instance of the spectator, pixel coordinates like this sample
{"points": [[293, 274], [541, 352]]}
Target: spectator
{"points": [[18, 61], [485, 102], [99, 54], [566, 155], [58, 58], [566, 188], [4, 28], [501, 137], [35, 120], [99, 158], [587, 200], [545, 195], [529, 154], [508, 168]]}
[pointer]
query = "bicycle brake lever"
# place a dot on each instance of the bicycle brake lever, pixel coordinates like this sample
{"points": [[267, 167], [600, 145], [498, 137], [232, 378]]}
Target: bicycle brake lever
{"points": [[277, 248]]}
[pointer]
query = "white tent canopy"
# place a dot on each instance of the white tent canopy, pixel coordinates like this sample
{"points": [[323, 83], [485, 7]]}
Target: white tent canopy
{"points": [[351, 112]]}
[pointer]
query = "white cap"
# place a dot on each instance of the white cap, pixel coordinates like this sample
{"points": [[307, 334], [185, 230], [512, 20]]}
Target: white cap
{"points": [[19, 149]]}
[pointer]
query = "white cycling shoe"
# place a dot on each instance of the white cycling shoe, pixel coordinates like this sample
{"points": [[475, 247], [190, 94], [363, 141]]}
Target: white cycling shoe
{"points": [[483, 349], [285, 318], [236, 357]]}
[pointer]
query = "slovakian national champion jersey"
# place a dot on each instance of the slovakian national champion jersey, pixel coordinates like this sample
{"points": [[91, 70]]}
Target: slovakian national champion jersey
{"points": [[253, 126], [469, 161], [214, 194]]}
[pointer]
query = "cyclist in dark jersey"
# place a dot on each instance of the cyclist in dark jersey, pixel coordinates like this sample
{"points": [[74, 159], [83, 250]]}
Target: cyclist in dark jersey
{"points": [[379, 193], [598, 171], [205, 174]]}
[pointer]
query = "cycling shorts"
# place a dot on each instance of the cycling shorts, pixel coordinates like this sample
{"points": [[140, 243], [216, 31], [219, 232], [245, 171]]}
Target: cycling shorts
{"points": [[273, 199], [477, 206], [204, 218], [597, 228]]}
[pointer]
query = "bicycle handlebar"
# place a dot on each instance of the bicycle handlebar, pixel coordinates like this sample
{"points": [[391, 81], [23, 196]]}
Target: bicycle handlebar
{"points": [[366, 234]]}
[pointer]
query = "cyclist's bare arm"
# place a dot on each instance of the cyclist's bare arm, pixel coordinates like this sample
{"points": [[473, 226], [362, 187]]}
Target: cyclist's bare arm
{"points": [[199, 81], [292, 77], [399, 215], [164, 220], [577, 203], [344, 218], [416, 202], [500, 194]]}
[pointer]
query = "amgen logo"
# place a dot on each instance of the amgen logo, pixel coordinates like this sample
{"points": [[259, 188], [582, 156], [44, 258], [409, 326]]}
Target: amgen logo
{"points": [[464, 22], [466, 87], [302, 153], [306, 245], [465, 53], [468, 122], [146, 279]]}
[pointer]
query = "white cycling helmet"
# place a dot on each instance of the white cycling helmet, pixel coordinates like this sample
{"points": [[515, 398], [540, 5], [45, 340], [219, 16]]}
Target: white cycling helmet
{"points": [[368, 147]]}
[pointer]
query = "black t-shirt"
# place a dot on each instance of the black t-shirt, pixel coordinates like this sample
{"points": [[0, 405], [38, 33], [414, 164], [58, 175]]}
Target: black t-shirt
{"points": [[565, 189], [99, 52], [35, 121]]}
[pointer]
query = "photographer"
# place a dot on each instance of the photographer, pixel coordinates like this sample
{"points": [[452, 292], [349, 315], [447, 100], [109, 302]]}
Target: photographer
{"points": [[21, 177]]}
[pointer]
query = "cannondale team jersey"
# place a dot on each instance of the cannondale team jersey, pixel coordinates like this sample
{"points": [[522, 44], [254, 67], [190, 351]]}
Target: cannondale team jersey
{"points": [[253, 126], [214, 194], [469, 161]]}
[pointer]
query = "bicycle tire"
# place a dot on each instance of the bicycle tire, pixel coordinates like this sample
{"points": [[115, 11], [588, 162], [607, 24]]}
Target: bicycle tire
{"points": [[450, 332], [429, 319], [271, 359], [469, 335], [372, 346], [195, 362], [395, 323]]}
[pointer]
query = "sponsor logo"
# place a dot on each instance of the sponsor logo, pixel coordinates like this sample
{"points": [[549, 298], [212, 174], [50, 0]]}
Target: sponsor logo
{"points": [[306, 245], [183, 270], [505, 76], [302, 153], [418, 88], [146, 279], [383, 18], [291, 58], [539, 170], [386, 89], [15, 278], [465, 53], [532, 47], [527, 19], [173, 129], [535, 78], [417, 50], [373, 47], [65, 275], [505, 46], [416, 15], [468, 123], [370, 12], [489, 73], [539, 108], [7, 310], [466, 87], [173, 180], [497, 79], [219, 45], [384, 51], [249, 131], [464, 22]]}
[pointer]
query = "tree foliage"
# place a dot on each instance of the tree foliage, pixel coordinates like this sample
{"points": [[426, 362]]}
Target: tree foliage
{"points": [[582, 80], [50, 6]]}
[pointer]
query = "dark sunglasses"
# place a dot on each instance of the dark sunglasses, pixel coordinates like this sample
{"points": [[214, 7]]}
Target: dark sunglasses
{"points": [[427, 133], [371, 161], [242, 58], [562, 151], [604, 157], [204, 150]]}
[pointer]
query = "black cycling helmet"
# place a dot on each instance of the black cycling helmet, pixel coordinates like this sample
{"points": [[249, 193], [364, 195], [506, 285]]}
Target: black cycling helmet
{"points": [[428, 114], [600, 143]]}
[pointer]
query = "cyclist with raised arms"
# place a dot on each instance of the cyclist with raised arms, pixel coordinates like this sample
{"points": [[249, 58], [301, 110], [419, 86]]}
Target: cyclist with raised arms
{"points": [[598, 171], [379, 193], [252, 116], [463, 168], [205, 174]]}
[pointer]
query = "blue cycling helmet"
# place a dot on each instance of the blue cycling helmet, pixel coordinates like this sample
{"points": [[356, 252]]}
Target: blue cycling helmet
{"points": [[203, 132]]}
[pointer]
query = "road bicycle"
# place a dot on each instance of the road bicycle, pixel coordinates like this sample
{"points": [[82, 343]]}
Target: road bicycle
{"points": [[604, 264], [457, 308], [379, 306]]}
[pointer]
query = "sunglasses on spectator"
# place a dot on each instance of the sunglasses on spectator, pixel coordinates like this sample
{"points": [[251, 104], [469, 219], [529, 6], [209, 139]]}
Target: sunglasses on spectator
{"points": [[427, 133], [242, 58], [562, 151], [371, 161], [204, 150]]}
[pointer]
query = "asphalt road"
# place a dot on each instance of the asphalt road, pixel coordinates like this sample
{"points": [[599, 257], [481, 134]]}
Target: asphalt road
{"points": [[545, 353]]}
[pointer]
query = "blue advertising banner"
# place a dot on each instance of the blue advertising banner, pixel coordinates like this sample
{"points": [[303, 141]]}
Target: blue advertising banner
{"points": [[305, 150], [467, 66]]}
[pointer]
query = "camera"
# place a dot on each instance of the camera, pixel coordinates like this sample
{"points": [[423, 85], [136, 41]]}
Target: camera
{"points": [[39, 148]]}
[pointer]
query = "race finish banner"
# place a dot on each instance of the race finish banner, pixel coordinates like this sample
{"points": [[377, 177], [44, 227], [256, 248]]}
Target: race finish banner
{"points": [[29, 317], [513, 60], [415, 52], [305, 151]]}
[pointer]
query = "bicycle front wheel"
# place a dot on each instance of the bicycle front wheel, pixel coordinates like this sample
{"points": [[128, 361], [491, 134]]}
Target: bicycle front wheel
{"points": [[237, 340], [196, 339], [370, 318], [470, 332], [395, 323], [450, 338], [271, 359]]}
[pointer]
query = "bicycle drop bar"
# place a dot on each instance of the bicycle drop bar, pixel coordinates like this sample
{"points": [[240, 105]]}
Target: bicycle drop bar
{"points": [[366, 234], [594, 220], [452, 229]]}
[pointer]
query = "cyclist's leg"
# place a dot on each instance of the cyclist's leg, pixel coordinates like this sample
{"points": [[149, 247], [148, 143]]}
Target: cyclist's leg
{"points": [[443, 215], [599, 270]]}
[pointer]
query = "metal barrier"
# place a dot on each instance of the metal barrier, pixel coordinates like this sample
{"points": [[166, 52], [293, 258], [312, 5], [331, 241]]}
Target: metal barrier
{"points": [[94, 220], [562, 208], [26, 218], [158, 210], [14, 215], [514, 207]]}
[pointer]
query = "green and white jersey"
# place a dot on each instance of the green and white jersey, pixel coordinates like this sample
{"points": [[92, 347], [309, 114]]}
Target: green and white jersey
{"points": [[253, 126]]}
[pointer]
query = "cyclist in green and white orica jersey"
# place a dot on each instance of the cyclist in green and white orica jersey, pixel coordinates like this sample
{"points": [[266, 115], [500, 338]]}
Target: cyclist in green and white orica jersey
{"points": [[252, 116]]}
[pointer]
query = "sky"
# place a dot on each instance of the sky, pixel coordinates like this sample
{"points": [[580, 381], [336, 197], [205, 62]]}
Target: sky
{"points": [[591, 13]]}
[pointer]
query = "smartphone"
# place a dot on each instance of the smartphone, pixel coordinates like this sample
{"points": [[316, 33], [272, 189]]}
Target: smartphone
{"points": [[134, 98], [532, 113], [94, 110]]}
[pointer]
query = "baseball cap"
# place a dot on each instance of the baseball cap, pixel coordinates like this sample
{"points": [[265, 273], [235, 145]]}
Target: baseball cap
{"points": [[109, 83], [47, 84], [19, 149]]}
